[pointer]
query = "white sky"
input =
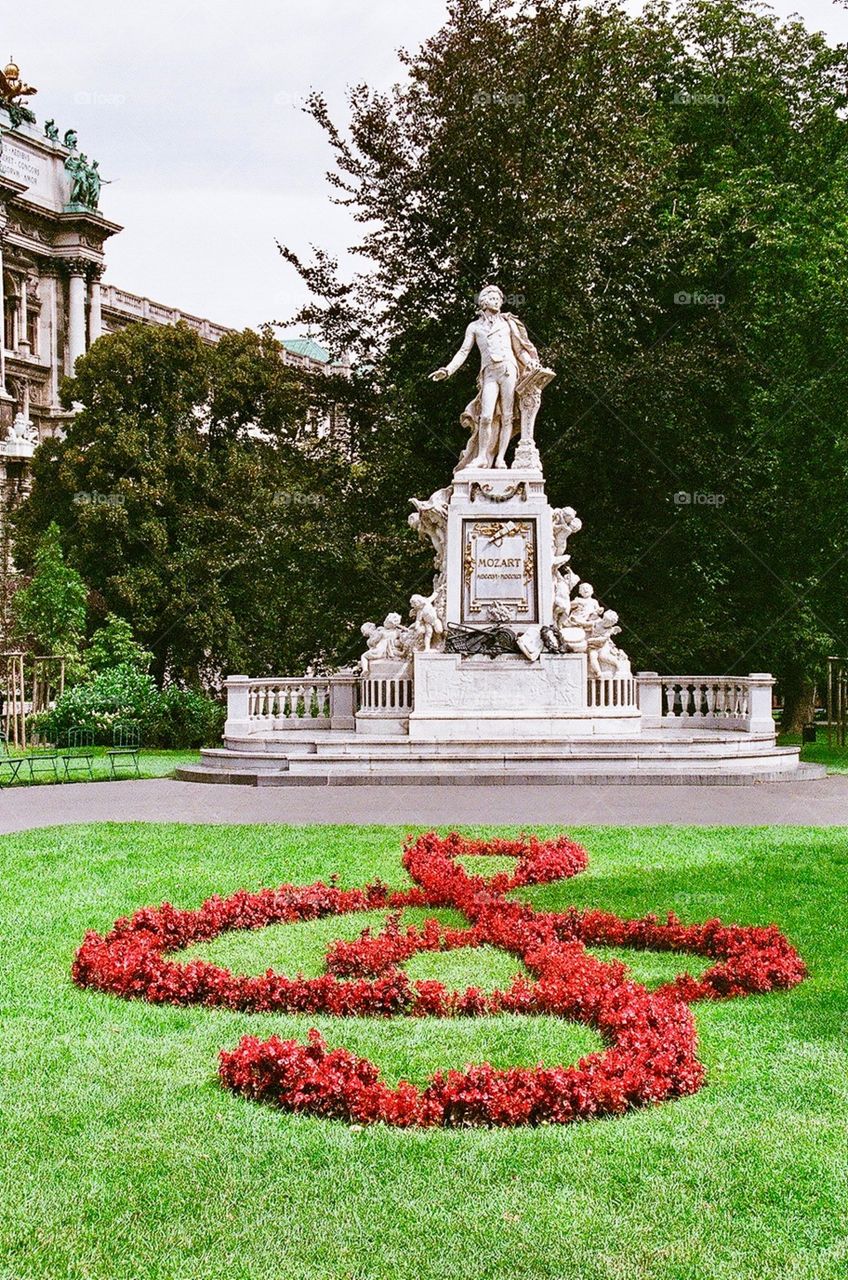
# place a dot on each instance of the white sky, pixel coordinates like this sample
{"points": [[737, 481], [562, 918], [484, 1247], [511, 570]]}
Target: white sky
{"points": [[191, 107]]}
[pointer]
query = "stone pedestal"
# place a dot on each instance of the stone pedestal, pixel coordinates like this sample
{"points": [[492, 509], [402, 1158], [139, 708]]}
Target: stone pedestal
{"points": [[463, 699], [386, 697], [499, 550]]}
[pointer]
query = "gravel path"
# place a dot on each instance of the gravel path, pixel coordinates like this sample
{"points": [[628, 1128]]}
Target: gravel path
{"points": [[819, 803]]}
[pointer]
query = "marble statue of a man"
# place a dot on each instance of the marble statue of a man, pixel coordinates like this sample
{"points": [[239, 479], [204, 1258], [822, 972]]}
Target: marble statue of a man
{"points": [[506, 356]]}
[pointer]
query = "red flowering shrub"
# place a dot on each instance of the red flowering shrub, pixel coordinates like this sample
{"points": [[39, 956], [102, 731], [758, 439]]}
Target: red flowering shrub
{"points": [[650, 1036]]}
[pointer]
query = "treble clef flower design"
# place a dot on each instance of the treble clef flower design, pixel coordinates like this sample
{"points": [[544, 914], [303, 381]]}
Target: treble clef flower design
{"points": [[650, 1052]]}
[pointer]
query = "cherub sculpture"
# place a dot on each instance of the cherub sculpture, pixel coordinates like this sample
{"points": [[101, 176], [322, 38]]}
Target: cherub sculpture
{"points": [[565, 523], [429, 520], [585, 610], [426, 622], [391, 640], [605, 657]]}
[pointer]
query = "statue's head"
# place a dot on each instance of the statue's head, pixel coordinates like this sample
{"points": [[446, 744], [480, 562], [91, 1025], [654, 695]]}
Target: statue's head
{"points": [[490, 298], [585, 590], [417, 602], [610, 617], [367, 629], [392, 621]]}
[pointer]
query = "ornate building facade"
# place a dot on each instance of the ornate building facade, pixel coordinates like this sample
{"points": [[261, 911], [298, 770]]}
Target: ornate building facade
{"points": [[55, 304]]}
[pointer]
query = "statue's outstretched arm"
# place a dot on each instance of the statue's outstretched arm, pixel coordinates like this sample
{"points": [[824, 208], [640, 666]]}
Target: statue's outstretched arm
{"points": [[459, 359]]}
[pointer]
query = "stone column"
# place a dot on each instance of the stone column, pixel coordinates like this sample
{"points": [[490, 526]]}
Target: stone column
{"points": [[76, 317], [760, 718], [238, 706], [95, 314], [51, 285], [343, 687], [23, 320], [649, 686], [4, 394]]}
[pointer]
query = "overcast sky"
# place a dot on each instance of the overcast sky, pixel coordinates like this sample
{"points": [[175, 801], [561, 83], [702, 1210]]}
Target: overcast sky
{"points": [[192, 109]]}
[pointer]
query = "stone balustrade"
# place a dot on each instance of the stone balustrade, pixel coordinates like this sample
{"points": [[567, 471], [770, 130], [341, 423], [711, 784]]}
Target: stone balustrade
{"points": [[382, 699], [742, 703], [610, 694], [386, 697], [280, 703]]}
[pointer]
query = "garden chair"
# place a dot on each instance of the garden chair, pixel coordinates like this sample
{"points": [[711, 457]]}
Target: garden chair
{"points": [[78, 753], [126, 740], [41, 761], [10, 766]]}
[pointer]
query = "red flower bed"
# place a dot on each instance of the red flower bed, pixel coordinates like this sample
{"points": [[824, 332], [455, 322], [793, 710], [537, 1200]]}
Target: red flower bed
{"points": [[650, 1036]]}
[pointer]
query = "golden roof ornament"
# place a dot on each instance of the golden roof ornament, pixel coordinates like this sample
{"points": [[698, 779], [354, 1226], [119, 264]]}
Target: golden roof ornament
{"points": [[12, 88]]}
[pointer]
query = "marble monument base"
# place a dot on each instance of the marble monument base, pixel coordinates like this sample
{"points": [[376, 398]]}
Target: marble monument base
{"points": [[462, 699]]}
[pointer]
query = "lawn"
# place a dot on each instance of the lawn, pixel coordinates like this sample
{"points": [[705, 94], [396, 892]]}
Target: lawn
{"points": [[818, 752], [123, 1159], [151, 764]]}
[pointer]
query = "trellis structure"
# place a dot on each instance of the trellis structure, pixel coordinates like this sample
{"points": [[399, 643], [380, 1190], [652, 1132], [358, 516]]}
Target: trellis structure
{"points": [[837, 702], [48, 680], [14, 705]]}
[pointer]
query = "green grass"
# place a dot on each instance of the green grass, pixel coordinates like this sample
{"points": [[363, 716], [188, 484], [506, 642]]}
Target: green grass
{"points": [[122, 1159], [818, 752], [151, 764]]}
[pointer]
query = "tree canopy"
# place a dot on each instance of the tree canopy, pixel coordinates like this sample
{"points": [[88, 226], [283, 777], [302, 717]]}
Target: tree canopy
{"points": [[663, 199], [200, 505]]}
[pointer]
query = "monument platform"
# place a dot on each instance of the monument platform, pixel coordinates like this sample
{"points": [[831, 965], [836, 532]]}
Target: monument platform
{"points": [[660, 756]]}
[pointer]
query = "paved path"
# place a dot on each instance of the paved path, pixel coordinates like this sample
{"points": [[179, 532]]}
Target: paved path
{"points": [[821, 803]]}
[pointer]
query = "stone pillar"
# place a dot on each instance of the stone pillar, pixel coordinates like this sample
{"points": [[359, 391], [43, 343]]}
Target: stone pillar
{"points": [[23, 320], [343, 688], [760, 718], [76, 317], [50, 286], [649, 686], [95, 315], [238, 706], [4, 394]]}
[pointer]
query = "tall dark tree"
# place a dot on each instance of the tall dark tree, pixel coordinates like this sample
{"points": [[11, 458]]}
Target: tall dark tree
{"points": [[663, 198]]}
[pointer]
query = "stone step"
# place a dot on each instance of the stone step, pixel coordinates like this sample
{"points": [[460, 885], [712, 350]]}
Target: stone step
{"points": [[598, 777], [400, 751]]}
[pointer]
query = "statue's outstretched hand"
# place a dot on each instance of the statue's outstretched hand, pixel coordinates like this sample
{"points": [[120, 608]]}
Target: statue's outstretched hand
{"points": [[439, 375]]}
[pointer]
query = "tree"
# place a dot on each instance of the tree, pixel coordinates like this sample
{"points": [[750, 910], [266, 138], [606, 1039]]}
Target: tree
{"points": [[198, 503], [663, 197], [113, 645], [50, 610]]}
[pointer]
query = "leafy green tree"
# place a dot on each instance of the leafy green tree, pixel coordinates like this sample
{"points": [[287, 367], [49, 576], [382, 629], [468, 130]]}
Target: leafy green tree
{"points": [[113, 645], [50, 610], [200, 505], [663, 198]]}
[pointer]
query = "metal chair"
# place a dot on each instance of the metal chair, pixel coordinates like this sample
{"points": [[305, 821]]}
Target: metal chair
{"points": [[7, 762], [126, 739], [40, 761], [77, 752]]}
